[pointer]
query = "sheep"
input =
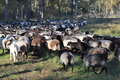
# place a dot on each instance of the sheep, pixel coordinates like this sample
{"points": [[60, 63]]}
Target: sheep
{"points": [[2, 35], [98, 43], [4, 42], [75, 45], [95, 60], [58, 37], [18, 47], [81, 36], [14, 52], [67, 58], [53, 45], [91, 43], [37, 43], [67, 39], [23, 47], [97, 50], [1, 45], [106, 44], [94, 43], [24, 38]]}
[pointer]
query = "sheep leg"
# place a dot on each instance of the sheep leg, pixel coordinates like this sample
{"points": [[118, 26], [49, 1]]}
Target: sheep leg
{"points": [[63, 66], [72, 68], [10, 56], [26, 56], [94, 70], [3, 51], [14, 57], [88, 69], [103, 68]]}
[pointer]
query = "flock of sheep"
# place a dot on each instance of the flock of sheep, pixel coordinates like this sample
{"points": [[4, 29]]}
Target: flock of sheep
{"points": [[62, 37]]}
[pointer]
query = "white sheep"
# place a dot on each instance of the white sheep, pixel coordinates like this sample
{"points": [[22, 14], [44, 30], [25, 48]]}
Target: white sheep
{"points": [[14, 52], [67, 39]]}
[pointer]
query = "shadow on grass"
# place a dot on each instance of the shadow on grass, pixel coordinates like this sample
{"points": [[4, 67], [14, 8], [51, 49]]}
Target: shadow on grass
{"points": [[17, 73], [113, 67], [55, 78], [5, 52], [32, 59], [59, 69]]}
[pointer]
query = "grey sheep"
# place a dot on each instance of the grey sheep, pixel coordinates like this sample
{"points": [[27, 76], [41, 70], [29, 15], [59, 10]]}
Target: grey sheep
{"points": [[67, 58], [95, 60]]}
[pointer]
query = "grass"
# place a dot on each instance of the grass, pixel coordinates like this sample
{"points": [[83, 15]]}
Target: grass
{"points": [[48, 66]]}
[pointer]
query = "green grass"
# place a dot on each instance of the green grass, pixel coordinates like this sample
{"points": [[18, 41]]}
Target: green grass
{"points": [[48, 66]]}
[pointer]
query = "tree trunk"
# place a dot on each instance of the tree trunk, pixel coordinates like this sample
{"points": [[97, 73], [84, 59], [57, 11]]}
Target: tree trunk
{"points": [[6, 10], [106, 8], [14, 11], [40, 10], [59, 8], [88, 9], [71, 8], [94, 9], [119, 11], [27, 10], [76, 8]]}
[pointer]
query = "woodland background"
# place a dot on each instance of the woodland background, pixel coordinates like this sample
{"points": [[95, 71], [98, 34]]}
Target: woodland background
{"points": [[12, 10]]}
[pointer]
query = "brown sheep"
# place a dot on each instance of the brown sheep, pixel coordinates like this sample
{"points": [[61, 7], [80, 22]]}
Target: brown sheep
{"points": [[98, 50], [37, 43]]}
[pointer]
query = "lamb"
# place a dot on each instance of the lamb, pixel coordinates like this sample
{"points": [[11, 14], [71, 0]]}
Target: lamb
{"points": [[67, 58], [95, 60], [14, 52]]}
